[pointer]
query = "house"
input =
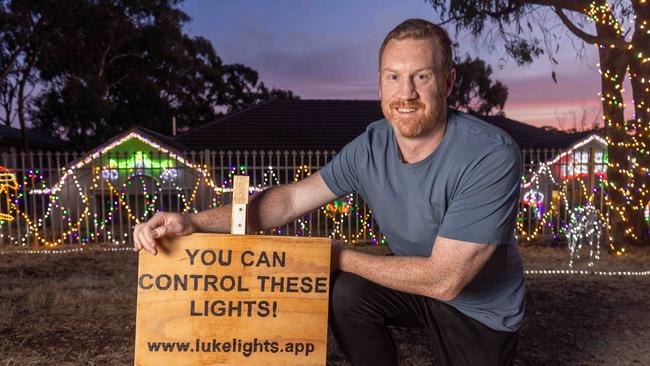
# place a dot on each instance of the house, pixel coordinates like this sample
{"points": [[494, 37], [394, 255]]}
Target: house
{"points": [[101, 195], [575, 177], [11, 140], [328, 125]]}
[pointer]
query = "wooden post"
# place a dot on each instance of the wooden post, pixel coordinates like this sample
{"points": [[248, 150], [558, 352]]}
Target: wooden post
{"points": [[239, 202]]}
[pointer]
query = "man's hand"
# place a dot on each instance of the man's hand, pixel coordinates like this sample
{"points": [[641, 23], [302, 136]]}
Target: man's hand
{"points": [[160, 225]]}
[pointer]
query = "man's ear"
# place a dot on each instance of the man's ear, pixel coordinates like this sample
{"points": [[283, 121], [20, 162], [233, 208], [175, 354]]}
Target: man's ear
{"points": [[451, 80], [379, 79]]}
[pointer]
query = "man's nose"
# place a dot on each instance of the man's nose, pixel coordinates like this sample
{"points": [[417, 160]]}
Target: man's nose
{"points": [[407, 89]]}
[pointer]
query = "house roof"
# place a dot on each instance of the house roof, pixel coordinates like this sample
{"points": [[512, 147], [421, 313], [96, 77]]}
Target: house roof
{"points": [[141, 133], [528, 136], [156, 140], [10, 136], [167, 140], [287, 125], [328, 125]]}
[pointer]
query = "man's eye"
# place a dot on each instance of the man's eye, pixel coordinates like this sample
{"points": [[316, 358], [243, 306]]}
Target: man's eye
{"points": [[392, 77], [422, 76]]}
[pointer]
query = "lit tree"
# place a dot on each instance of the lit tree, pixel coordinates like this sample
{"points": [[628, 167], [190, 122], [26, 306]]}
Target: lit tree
{"points": [[525, 31]]}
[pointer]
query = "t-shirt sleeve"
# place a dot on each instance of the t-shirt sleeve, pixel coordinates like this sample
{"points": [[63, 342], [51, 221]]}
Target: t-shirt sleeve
{"points": [[341, 173], [484, 207]]}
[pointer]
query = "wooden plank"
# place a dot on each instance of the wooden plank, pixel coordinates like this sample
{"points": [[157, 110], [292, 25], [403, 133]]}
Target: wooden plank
{"points": [[266, 296], [239, 201], [240, 189], [238, 219]]}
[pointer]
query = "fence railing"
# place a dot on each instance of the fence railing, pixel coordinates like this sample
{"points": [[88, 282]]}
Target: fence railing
{"points": [[51, 198]]}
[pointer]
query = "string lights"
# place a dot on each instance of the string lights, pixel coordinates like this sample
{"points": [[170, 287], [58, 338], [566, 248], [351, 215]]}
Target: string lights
{"points": [[8, 185], [584, 222], [584, 272], [627, 195], [529, 272], [91, 201], [84, 224]]}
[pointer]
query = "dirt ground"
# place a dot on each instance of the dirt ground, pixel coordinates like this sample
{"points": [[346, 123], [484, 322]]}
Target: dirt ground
{"points": [[79, 309]]}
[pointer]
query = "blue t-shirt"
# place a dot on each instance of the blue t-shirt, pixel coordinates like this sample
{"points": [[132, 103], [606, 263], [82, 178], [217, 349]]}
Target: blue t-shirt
{"points": [[466, 189]]}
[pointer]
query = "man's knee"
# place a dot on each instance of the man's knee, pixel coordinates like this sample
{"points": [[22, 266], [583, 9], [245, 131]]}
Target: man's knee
{"points": [[346, 292]]}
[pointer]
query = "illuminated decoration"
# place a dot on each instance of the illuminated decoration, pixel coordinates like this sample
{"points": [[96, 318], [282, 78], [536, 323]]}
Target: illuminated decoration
{"points": [[577, 165], [337, 206], [169, 174], [8, 187], [585, 225], [585, 272], [140, 160], [528, 272], [270, 178], [533, 197], [69, 250], [346, 212], [627, 194], [110, 174], [121, 184], [129, 165], [303, 222], [341, 214], [566, 156], [570, 190]]}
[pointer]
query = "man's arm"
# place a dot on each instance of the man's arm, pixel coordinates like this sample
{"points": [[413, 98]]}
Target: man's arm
{"points": [[451, 266], [270, 208]]}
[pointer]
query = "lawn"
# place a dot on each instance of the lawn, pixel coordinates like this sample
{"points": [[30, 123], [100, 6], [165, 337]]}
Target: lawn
{"points": [[79, 308]]}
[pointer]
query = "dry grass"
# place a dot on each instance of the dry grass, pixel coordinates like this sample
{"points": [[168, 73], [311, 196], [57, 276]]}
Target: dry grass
{"points": [[74, 309]]}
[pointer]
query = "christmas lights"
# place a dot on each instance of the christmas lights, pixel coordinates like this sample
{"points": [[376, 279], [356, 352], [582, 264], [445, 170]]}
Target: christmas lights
{"points": [[8, 185], [84, 225], [104, 201], [544, 180], [586, 224], [627, 195], [529, 272]]}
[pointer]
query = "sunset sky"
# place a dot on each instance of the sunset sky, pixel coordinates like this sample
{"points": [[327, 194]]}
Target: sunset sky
{"points": [[328, 50]]}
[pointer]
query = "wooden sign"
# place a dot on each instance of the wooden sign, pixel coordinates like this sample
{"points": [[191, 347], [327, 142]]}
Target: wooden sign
{"points": [[217, 299]]}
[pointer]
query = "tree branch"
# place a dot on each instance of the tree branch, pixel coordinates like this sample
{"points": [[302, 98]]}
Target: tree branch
{"points": [[572, 5], [12, 61], [449, 20], [588, 38]]}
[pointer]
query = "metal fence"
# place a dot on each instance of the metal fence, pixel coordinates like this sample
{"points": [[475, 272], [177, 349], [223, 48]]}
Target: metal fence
{"points": [[51, 198]]}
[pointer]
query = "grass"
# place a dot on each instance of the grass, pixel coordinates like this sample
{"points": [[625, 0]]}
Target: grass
{"points": [[79, 308]]}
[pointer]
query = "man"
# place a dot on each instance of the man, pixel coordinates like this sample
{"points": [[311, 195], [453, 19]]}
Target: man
{"points": [[443, 186]]}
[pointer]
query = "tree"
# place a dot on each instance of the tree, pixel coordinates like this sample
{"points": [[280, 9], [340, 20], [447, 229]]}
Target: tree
{"points": [[474, 91], [21, 30], [104, 66], [524, 29]]}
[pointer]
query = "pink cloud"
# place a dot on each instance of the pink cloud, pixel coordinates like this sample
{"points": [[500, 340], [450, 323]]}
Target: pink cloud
{"points": [[541, 102]]}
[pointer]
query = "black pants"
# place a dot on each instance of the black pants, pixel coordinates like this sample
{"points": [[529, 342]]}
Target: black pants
{"points": [[360, 310]]}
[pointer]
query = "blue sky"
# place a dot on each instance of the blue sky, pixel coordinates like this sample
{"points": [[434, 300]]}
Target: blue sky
{"points": [[328, 50]]}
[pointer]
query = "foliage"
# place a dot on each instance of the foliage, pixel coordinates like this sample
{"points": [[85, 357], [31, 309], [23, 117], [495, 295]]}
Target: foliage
{"points": [[474, 91], [104, 66]]}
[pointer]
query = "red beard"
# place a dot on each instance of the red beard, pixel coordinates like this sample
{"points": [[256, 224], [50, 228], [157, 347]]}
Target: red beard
{"points": [[413, 125]]}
